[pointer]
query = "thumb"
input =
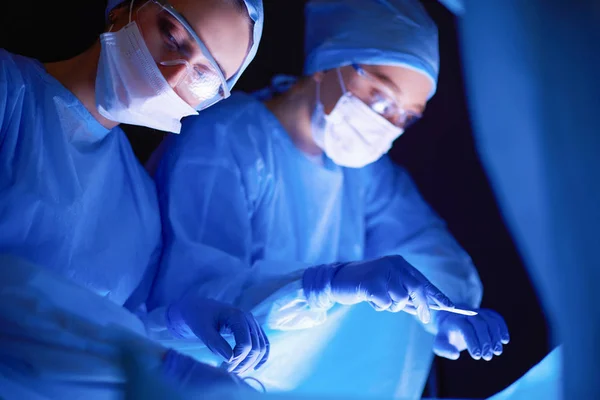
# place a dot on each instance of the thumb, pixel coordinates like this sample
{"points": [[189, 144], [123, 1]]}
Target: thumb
{"points": [[443, 348], [215, 343], [378, 297]]}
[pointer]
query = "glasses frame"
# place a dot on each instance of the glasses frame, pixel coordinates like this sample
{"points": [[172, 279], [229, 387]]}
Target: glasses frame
{"points": [[403, 113], [181, 19]]}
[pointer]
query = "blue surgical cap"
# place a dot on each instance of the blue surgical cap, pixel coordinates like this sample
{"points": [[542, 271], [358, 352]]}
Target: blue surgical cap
{"points": [[255, 10], [110, 4], [371, 32]]}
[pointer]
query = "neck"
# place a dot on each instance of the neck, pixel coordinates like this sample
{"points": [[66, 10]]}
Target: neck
{"points": [[78, 74], [294, 110]]}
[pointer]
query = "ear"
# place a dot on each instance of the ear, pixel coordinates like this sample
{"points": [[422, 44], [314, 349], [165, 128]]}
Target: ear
{"points": [[318, 76], [120, 11]]}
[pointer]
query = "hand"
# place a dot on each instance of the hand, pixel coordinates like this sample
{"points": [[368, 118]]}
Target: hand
{"points": [[206, 319], [483, 335], [387, 283]]}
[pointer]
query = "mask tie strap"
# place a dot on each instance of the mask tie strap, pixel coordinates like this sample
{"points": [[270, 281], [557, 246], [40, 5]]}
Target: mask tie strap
{"points": [[131, 9], [341, 79], [318, 92], [130, 14]]}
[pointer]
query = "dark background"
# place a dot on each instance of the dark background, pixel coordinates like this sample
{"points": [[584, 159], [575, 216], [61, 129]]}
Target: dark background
{"points": [[439, 152]]}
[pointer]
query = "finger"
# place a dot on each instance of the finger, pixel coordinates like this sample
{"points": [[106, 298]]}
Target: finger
{"points": [[443, 348], [399, 297], [417, 296], [431, 290], [243, 339], [470, 336], [375, 306], [398, 306], [504, 335], [494, 332], [410, 309], [251, 358], [480, 326], [378, 297], [266, 347], [262, 343], [267, 351], [215, 343]]}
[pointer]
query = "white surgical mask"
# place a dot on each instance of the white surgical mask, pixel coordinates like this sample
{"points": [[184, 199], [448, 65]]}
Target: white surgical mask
{"points": [[131, 89], [352, 135]]}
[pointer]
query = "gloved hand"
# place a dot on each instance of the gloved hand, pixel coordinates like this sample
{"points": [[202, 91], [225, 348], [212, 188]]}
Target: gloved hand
{"points": [[387, 283], [207, 319], [482, 334]]}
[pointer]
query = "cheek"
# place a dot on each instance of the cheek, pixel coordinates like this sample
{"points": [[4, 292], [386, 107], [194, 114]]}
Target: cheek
{"points": [[172, 74], [154, 43], [330, 95]]}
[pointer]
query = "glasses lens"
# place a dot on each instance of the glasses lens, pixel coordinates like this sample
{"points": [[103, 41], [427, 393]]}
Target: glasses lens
{"points": [[187, 65], [379, 97]]}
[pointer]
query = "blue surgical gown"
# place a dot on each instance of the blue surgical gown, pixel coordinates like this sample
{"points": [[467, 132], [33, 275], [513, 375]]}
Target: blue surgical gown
{"points": [[73, 197], [242, 206]]}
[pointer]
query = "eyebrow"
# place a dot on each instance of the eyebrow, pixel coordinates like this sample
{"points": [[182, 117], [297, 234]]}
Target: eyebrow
{"points": [[189, 27], [389, 82], [385, 80]]}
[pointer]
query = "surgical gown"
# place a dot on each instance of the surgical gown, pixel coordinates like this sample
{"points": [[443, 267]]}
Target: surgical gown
{"points": [[245, 212], [73, 197]]}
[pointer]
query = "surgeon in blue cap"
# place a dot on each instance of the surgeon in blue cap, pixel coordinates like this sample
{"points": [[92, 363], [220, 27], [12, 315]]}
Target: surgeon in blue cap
{"points": [[73, 197], [261, 187]]}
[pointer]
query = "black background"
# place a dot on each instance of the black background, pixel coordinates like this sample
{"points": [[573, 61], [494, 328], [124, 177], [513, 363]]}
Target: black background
{"points": [[439, 152]]}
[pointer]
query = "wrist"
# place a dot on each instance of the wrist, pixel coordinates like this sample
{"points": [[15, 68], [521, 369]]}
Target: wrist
{"points": [[316, 283]]}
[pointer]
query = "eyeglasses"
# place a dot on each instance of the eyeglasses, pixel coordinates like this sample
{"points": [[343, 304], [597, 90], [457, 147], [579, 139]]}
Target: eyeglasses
{"points": [[203, 82], [381, 99]]}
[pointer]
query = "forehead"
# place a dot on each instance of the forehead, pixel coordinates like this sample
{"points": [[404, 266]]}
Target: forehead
{"points": [[223, 28], [410, 86]]}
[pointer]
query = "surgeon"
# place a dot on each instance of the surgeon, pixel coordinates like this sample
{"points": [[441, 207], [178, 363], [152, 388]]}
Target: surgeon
{"points": [[254, 192], [73, 197]]}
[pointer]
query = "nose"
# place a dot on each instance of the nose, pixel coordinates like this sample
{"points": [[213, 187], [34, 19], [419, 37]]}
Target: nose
{"points": [[173, 73]]}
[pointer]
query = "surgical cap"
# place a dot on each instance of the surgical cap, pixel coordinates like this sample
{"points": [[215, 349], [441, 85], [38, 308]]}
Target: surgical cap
{"points": [[255, 10], [371, 32]]}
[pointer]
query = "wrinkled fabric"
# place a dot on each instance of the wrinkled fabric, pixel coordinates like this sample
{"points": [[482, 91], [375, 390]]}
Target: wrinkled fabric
{"points": [[256, 13], [61, 341], [73, 197], [543, 162], [372, 32], [245, 212]]}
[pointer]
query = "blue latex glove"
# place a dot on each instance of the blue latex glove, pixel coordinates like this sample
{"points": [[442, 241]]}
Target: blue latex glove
{"points": [[387, 283], [206, 319], [482, 335], [188, 373]]}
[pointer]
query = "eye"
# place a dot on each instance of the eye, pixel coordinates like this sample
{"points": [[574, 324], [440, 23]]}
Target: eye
{"points": [[201, 72], [382, 105], [168, 32]]}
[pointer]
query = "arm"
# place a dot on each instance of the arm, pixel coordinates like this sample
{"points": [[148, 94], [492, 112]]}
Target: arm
{"points": [[395, 206], [211, 212], [54, 330], [400, 222], [61, 341], [209, 207]]}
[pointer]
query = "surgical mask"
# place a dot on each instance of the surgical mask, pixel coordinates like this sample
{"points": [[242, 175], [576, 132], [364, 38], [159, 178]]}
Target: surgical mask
{"points": [[352, 135], [131, 89]]}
